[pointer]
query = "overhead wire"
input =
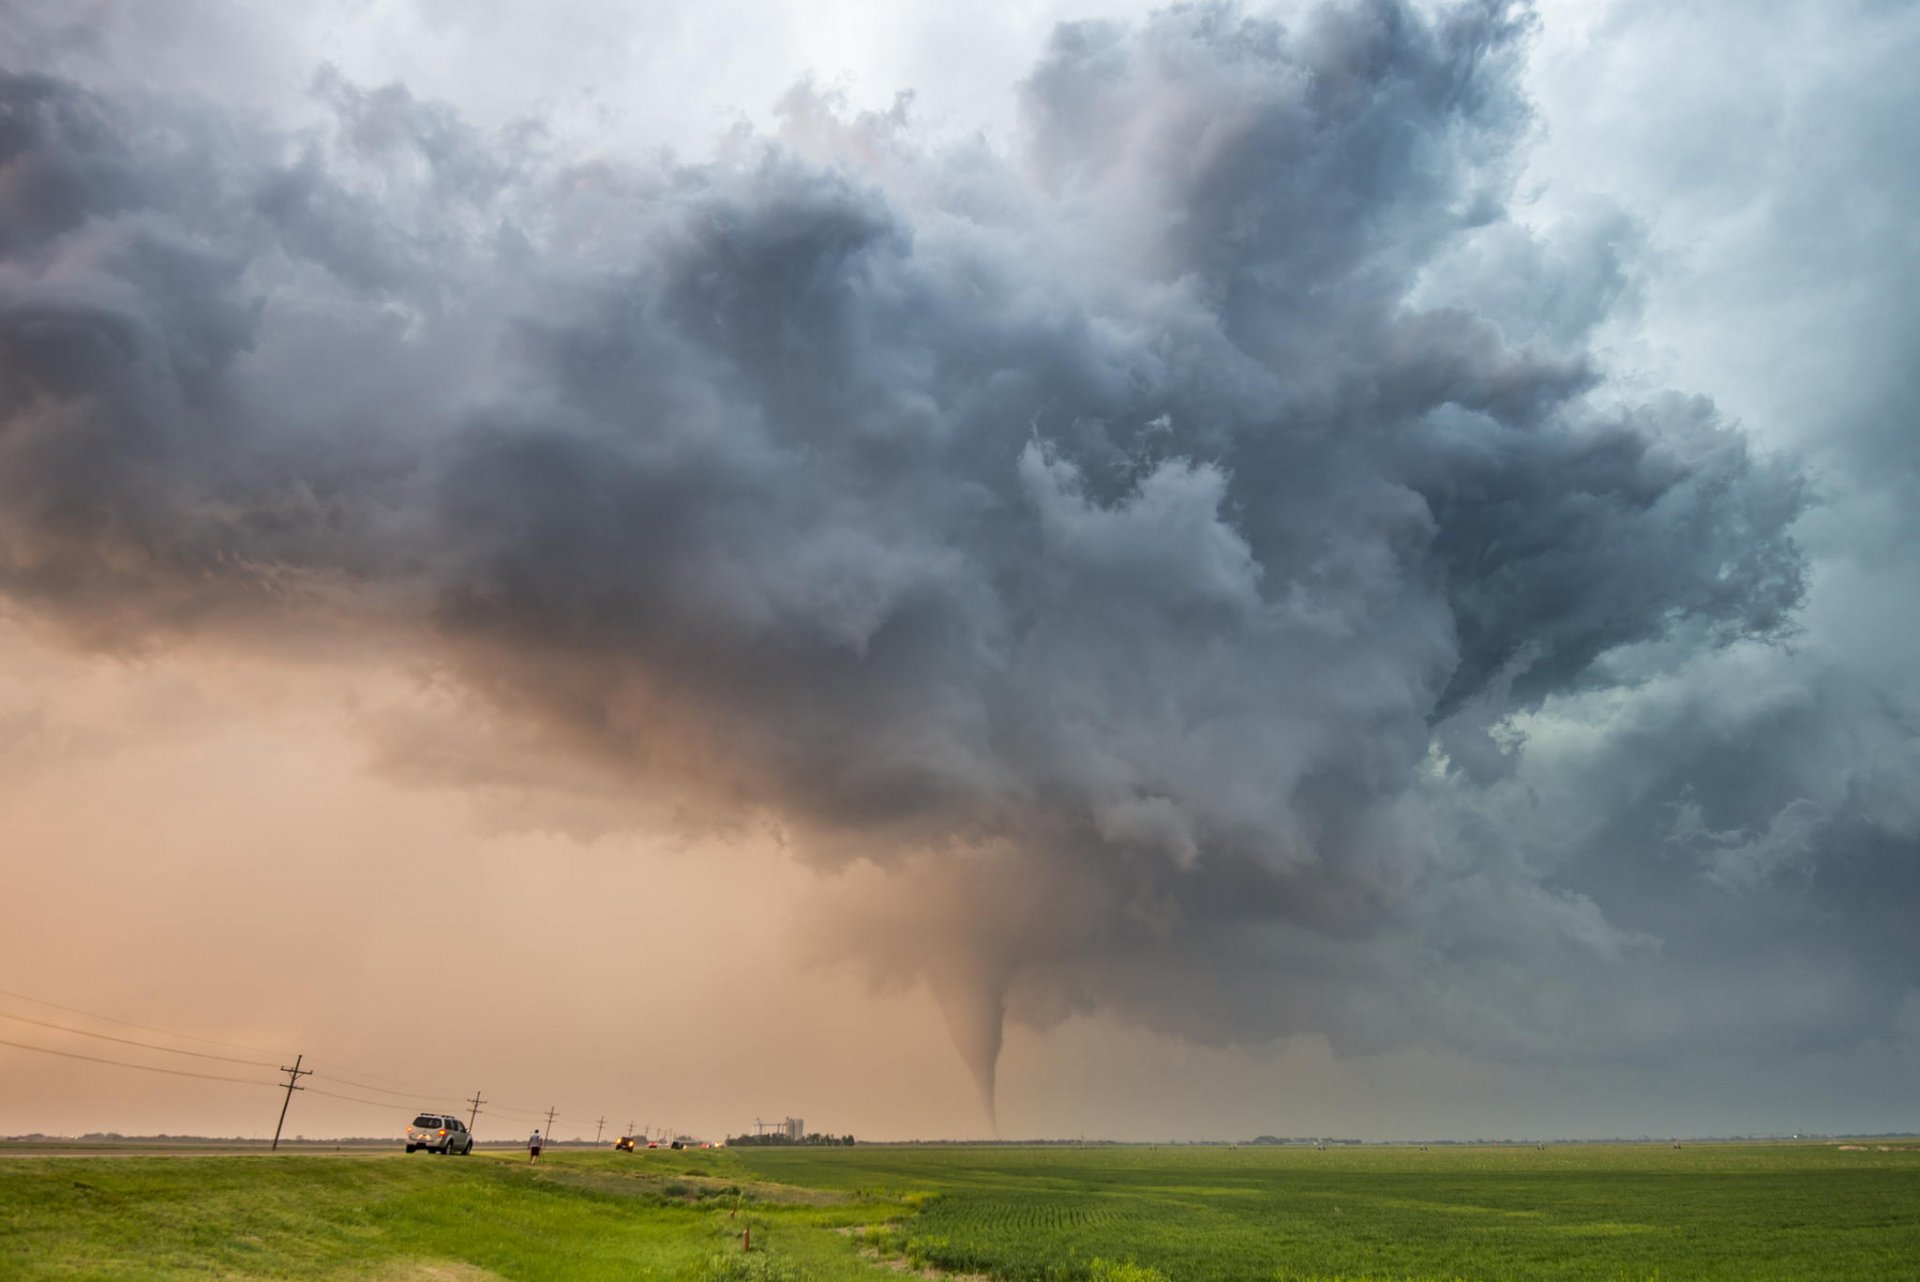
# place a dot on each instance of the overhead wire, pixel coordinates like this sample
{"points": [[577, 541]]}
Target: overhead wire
{"points": [[128, 1041], [127, 1023], [345, 1071], [352, 1099], [380, 1090], [416, 1092], [429, 1096], [432, 1097], [415, 1095], [434, 1101], [387, 1104], [381, 1104], [426, 1096], [145, 1068], [348, 1075]]}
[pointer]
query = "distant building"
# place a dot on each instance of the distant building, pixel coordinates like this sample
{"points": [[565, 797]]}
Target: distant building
{"points": [[795, 1128]]}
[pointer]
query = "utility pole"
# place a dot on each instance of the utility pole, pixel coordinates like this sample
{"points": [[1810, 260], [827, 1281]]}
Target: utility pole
{"points": [[475, 1100], [294, 1074], [598, 1127], [549, 1131], [630, 1130]]}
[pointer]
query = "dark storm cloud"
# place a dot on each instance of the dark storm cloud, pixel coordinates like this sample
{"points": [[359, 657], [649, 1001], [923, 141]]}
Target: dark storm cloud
{"points": [[1100, 540], [1751, 810]]}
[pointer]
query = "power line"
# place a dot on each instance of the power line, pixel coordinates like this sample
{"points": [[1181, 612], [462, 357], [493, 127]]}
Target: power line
{"points": [[75, 1010], [128, 1041], [147, 1068], [415, 1089], [426, 1096], [352, 1099], [355, 1099], [344, 1073], [423, 1092], [384, 1104], [516, 1114], [420, 1096], [379, 1090]]}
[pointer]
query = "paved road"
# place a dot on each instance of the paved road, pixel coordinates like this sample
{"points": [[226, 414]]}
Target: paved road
{"points": [[220, 1150]]}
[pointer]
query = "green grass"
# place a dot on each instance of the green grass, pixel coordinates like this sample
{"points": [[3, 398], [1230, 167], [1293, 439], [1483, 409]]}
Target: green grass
{"points": [[583, 1216], [1028, 1215], [1280, 1215]]}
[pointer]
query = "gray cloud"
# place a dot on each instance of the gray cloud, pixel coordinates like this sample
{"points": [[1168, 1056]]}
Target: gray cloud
{"points": [[1150, 549]]}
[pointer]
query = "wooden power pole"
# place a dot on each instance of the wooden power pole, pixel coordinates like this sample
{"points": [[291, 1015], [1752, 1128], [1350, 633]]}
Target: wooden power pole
{"points": [[294, 1074], [476, 1101]]}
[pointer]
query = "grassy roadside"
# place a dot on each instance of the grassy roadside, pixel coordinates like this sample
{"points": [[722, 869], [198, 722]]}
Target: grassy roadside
{"points": [[1750, 1212], [583, 1216]]}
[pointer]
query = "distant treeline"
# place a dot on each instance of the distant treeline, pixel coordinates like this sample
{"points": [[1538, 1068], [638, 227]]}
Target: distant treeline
{"points": [[780, 1140], [236, 1141], [1028, 1143], [115, 1137]]}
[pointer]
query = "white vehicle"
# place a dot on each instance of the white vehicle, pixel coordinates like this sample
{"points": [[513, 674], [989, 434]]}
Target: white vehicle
{"points": [[439, 1133]]}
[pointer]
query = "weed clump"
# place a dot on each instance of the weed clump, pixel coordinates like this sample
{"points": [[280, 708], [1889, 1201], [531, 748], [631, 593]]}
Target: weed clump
{"points": [[1123, 1271], [732, 1266]]}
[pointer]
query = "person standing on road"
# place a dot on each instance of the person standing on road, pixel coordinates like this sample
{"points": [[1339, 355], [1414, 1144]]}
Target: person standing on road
{"points": [[533, 1147]]}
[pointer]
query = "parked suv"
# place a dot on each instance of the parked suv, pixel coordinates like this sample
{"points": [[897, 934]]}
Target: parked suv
{"points": [[439, 1133]]}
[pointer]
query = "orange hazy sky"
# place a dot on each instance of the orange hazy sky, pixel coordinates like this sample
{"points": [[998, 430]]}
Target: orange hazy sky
{"points": [[204, 842]]}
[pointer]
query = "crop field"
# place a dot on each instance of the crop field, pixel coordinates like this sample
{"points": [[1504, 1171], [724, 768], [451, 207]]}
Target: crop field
{"points": [[1588, 1212], [1026, 1214]]}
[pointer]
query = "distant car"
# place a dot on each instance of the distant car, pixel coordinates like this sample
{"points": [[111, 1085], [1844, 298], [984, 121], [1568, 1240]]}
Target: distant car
{"points": [[439, 1133], [625, 1144]]}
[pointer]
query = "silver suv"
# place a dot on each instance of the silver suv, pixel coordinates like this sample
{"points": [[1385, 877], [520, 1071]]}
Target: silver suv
{"points": [[439, 1133]]}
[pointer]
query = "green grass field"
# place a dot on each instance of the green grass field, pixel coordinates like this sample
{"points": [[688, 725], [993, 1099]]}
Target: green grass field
{"points": [[1030, 1215], [1747, 1212]]}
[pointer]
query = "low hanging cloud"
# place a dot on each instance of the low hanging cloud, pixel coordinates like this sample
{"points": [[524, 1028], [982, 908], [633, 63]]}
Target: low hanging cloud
{"points": [[1111, 555]]}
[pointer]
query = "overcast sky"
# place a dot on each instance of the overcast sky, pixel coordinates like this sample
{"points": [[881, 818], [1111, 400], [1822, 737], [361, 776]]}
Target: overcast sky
{"points": [[1068, 568]]}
